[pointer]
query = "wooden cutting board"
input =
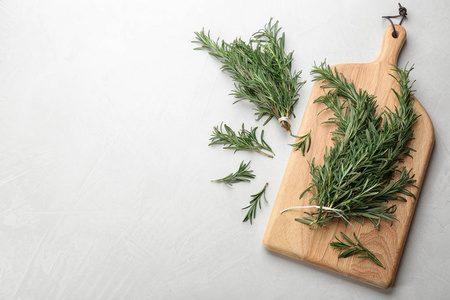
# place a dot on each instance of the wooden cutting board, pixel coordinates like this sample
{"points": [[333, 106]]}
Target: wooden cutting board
{"points": [[291, 238]]}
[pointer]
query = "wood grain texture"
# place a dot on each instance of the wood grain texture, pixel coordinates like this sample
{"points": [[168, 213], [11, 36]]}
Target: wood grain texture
{"points": [[291, 238]]}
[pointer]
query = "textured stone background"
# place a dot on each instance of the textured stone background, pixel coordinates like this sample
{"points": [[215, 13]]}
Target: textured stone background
{"points": [[105, 116]]}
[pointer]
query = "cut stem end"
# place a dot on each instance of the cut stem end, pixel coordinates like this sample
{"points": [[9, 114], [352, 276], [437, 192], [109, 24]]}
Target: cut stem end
{"points": [[286, 125], [266, 154]]}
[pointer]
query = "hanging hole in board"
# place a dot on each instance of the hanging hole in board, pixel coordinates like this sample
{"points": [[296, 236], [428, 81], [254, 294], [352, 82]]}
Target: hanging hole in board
{"points": [[402, 13]]}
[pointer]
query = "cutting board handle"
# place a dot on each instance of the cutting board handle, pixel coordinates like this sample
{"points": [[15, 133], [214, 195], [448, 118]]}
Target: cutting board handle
{"points": [[391, 47]]}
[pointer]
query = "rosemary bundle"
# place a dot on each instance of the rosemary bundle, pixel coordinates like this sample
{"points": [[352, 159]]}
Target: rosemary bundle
{"points": [[360, 173], [261, 71]]}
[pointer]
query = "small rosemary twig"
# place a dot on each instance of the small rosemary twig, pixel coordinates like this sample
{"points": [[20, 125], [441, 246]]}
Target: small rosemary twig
{"points": [[254, 203], [243, 140], [303, 144], [351, 248], [243, 174]]}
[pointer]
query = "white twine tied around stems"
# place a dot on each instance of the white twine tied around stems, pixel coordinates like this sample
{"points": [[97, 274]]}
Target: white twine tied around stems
{"points": [[284, 119], [339, 212]]}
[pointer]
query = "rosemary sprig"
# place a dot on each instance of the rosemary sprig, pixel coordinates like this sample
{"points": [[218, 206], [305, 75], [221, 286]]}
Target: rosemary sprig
{"points": [[242, 174], [261, 71], [303, 144], [350, 248], [254, 203], [243, 140], [360, 174]]}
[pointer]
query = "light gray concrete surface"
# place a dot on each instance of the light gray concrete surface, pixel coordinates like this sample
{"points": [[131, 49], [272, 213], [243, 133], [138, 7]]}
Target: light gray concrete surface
{"points": [[105, 116]]}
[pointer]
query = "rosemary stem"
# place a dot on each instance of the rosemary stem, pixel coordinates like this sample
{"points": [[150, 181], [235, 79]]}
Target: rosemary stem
{"points": [[259, 151]]}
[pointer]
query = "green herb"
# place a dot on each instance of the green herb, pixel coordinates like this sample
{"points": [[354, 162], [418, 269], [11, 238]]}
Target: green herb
{"points": [[303, 142], [254, 203], [261, 71], [351, 248], [360, 174], [243, 140], [243, 174]]}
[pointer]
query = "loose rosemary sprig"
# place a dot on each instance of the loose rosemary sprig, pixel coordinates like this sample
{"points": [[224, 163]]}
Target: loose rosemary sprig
{"points": [[243, 140], [261, 71], [351, 248], [303, 144], [254, 203], [360, 173], [242, 174]]}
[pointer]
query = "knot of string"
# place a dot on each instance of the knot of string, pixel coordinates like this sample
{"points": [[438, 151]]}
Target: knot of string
{"points": [[284, 119], [402, 12]]}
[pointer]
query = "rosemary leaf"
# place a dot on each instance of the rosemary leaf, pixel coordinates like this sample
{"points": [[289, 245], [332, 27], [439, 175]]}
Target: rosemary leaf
{"points": [[350, 248], [243, 140], [260, 69], [254, 203], [243, 174], [360, 173]]}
